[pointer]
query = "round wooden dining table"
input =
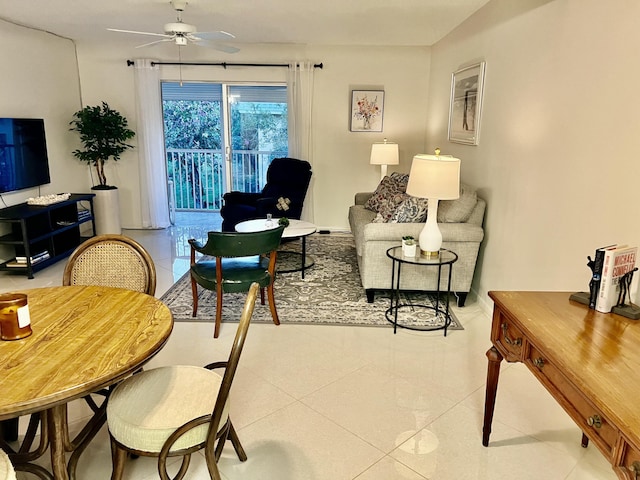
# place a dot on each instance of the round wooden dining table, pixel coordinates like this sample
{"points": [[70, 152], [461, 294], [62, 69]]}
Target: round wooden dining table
{"points": [[85, 338]]}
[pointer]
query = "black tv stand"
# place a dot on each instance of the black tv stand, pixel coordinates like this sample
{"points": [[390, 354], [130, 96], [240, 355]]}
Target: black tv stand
{"points": [[42, 235]]}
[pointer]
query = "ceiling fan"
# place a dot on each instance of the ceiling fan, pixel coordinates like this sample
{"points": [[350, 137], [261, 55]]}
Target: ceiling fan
{"points": [[182, 33]]}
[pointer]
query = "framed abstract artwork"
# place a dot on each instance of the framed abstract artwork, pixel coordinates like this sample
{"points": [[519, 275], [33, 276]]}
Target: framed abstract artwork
{"points": [[367, 109], [465, 105]]}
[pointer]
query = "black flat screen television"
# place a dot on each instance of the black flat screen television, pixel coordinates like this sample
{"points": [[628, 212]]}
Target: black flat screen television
{"points": [[23, 154]]}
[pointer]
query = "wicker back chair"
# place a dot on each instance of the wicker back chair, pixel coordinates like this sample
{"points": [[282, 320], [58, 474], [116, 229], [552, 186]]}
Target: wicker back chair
{"points": [[111, 261]]}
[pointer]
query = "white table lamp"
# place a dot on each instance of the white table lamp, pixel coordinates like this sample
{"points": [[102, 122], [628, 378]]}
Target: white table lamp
{"points": [[384, 154], [434, 177]]}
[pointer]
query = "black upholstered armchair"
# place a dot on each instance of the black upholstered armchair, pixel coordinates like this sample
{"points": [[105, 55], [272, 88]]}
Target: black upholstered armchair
{"points": [[282, 196]]}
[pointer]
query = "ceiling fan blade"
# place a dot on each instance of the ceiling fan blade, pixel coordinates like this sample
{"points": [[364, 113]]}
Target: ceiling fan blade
{"points": [[154, 42], [225, 48], [139, 33], [220, 35], [216, 46]]}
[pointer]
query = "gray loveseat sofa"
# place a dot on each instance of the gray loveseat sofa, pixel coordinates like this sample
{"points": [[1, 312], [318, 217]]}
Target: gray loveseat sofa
{"points": [[373, 236]]}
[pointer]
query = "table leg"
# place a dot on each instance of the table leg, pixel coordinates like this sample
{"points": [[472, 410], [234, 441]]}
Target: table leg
{"points": [[585, 441], [448, 318], [304, 254], [438, 307], [81, 441], [396, 295], [493, 371], [58, 441]]}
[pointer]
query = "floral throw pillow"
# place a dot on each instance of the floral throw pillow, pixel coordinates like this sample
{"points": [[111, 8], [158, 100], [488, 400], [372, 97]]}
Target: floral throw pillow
{"points": [[390, 205], [388, 187], [411, 210], [401, 179], [383, 191]]}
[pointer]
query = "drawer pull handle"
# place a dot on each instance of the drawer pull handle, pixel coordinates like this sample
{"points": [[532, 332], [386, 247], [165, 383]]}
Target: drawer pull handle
{"points": [[635, 469], [594, 421], [517, 342], [539, 362]]}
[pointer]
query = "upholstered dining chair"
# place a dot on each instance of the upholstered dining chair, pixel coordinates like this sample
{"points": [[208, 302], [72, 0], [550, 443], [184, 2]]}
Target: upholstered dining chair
{"points": [[240, 259], [6, 469], [177, 410]]}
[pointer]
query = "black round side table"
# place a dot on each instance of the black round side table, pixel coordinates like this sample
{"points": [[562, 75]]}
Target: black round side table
{"points": [[440, 308]]}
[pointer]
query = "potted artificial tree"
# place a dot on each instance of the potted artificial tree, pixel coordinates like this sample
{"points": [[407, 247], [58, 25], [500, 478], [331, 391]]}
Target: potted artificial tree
{"points": [[103, 133]]}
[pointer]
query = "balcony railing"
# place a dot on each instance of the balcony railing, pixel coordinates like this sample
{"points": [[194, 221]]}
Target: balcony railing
{"points": [[198, 176]]}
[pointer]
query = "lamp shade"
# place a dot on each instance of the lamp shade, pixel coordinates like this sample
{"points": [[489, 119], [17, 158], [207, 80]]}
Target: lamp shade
{"points": [[384, 154], [434, 176]]}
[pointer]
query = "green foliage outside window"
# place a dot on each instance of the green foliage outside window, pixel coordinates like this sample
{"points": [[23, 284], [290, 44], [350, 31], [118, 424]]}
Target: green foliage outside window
{"points": [[197, 125], [192, 125]]}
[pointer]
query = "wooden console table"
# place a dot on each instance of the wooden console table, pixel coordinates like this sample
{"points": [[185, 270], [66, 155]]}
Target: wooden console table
{"points": [[588, 361]]}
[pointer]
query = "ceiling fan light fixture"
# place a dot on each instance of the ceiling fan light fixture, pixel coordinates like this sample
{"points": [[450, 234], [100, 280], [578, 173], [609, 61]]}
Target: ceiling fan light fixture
{"points": [[179, 27]]}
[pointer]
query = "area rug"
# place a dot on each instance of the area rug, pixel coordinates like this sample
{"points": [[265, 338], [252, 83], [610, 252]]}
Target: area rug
{"points": [[330, 293]]}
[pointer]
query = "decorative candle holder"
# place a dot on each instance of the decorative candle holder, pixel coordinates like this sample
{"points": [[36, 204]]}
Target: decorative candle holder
{"points": [[15, 322]]}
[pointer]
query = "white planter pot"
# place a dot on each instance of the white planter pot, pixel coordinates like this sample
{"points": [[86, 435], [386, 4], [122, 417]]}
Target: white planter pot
{"points": [[106, 211], [409, 250]]}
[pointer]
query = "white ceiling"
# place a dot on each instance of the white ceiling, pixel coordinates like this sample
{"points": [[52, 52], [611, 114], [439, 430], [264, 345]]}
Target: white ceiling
{"points": [[320, 22]]}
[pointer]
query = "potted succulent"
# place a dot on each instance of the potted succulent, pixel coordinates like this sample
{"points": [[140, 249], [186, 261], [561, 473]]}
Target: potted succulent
{"points": [[409, 246], [103, 133]]}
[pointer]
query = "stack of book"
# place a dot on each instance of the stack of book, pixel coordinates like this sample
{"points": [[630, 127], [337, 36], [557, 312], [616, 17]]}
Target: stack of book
{"points": [[610, 265], [22, 261]]}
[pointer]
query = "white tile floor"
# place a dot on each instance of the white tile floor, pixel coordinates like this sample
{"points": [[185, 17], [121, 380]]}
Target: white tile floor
{"points": [[343, 403]]}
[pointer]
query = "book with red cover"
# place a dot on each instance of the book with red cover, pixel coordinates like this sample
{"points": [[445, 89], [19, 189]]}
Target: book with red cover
{"points": [[617, 262]]}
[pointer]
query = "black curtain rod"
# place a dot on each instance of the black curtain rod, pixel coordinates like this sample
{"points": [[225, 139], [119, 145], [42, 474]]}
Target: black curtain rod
{"points": [[223, 64]]}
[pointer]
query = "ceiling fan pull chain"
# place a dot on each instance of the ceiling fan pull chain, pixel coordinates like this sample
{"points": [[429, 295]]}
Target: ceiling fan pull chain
{"points": [[180, 63]]}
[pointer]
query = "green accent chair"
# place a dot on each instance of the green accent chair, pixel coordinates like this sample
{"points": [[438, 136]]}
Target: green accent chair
{"points": [[240, 260]]}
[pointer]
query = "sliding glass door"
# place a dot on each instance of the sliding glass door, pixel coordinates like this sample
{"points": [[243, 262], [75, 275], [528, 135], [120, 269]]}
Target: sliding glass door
{"points": [[220, 137], [258, 132]]}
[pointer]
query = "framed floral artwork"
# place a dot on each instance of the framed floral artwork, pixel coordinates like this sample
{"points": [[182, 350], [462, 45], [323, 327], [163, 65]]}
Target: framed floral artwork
{"points": [[465, 105], [367, 109]]}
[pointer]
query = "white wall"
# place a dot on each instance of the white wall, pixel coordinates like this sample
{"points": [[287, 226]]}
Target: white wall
{"points": [[40, 80], [340, 158], [559, 140]]}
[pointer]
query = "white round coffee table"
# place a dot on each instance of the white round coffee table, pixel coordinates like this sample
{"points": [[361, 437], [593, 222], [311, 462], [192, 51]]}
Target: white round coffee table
{"points": [[296, 229]]}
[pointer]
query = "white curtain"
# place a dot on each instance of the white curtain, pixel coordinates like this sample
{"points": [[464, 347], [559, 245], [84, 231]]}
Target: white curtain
{"points": [[154, 204], [300, 99]]}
